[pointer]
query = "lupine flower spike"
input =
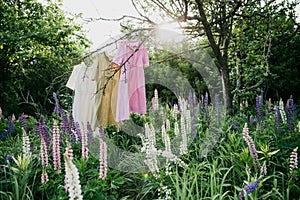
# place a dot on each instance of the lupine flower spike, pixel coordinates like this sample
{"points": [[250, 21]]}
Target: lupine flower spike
{"points": [[72, 179], [251, 147], [56, 147], [25, 144], [294, 160], [249, 189], [102, 156], [44, 159]]}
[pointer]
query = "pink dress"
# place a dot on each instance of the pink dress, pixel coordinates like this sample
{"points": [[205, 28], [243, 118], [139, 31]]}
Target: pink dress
{"points": [[131, 91]]}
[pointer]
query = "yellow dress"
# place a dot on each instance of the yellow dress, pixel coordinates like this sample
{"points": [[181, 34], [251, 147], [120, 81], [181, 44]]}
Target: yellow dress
{"points": [[107, 91]]}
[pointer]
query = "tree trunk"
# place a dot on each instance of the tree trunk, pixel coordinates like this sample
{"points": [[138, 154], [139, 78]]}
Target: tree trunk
{"points": [[222, 59]]}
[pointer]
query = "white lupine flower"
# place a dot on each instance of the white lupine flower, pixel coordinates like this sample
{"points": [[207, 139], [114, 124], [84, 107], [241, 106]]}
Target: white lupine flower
{"points": [[176, 129], [299, 126], [166, 139], [183, 143], [188, 123], [25, 144], [72, 179], [156, 104], [294, 160], [282, 112], [168, 126]]}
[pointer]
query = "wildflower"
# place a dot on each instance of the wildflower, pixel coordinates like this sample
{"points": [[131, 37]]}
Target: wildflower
{"points": [[69, 151], [183, 143], [205, 100], [44, 177], [175, 111], [277, 118], [251, 146], [23, 122], [84, 145], [44, 153], [282, 113], [44, 132], [56, 147], [259, 105], [290, 114], [1, 116], [103, 159], [72, 179], [155, 103], [166, 140], [176, 128], [25, 144], [252, 121], [69, 154], [11, 127], [235, 126], [149, 142], [294, 160], [249, 188], [8, 158], [299, 126]]}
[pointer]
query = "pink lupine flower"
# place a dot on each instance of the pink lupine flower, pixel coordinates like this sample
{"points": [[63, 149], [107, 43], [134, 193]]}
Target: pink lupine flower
{"points": [[251, 146], [102, 159], [44, 153], [69, 154], [84, 145], [56, 148], [44, 177]]}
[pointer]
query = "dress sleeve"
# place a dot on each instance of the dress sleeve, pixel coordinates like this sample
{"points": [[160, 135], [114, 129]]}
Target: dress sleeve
{"points": [[73, 77], [119, 58]]}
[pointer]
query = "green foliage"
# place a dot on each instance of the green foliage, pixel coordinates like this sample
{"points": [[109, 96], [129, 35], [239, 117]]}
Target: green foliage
{"points": [[39, 45]]}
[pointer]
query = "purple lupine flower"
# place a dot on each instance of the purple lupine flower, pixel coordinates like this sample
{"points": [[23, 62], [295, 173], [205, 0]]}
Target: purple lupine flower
{"points": [[235, 126], [259, 104], [252, 121], [44, 132], [249, 189], [23, 122], [8, 158], [205, 100], [290, 109], [65, 122], [90, 133], [251, 146], [10, 129], [77, 131], [277, 118], [101, 134], [60, 112], [57, 107]]}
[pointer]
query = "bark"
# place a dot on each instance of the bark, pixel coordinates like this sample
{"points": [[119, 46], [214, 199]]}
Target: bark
{"points": [[221, 58]]}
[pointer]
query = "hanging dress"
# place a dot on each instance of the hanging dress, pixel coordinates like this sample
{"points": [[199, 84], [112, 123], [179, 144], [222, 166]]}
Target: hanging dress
{"points": [[80, 81], [106, 98], [133, 57]]}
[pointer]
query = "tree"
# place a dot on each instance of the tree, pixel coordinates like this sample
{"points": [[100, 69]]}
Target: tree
{"points": [[39, 45], [222, 22]]}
